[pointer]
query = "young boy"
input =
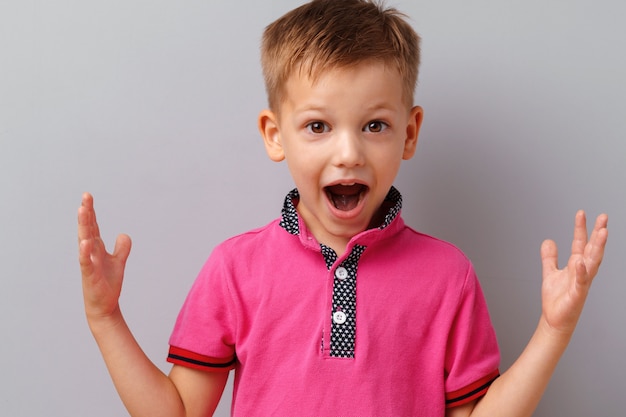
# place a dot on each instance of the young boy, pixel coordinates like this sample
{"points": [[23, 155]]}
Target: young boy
{"points": [[337, 308]]}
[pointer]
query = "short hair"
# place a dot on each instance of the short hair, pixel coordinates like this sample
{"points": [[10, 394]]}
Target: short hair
{"points": [[329, 34]]}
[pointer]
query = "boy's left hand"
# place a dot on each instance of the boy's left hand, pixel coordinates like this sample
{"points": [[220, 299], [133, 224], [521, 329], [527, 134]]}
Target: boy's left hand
{"points": [[564, 291]]}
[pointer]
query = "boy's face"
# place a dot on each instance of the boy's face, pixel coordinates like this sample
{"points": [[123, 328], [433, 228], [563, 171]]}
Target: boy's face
{"points": [[344, 137]]}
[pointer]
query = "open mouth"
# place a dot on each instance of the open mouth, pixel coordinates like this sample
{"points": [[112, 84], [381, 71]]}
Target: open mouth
{"points": [[345, 197]]}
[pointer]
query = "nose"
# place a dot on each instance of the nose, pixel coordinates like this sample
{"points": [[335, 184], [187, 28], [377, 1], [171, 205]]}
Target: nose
{"points": [[349, 151]]}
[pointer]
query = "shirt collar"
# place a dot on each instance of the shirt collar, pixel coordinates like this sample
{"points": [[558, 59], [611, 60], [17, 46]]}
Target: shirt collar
{"points": [[289, 218]]}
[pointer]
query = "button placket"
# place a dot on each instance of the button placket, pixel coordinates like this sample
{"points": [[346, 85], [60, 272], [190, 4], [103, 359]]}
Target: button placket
{"points": [[343, 315]]}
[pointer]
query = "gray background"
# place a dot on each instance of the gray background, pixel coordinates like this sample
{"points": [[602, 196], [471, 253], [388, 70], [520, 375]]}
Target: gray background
{"points": [[152, 107]]}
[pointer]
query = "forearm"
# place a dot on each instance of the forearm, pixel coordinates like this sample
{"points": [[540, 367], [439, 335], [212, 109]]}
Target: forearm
{"points": [[564, 291], [144, 389], [517, 392]]}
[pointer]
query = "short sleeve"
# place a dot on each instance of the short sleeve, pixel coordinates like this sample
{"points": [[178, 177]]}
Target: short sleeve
{"points": [[472, 355], [204, 333]]}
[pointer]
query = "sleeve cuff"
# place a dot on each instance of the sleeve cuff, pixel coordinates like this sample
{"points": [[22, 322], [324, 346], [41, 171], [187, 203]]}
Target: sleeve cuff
{"points": [[179, 356], [472, 391]]}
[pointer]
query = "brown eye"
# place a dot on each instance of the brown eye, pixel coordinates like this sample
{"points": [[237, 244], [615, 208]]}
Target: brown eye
{"points": [[375, 127], [317, 127]]}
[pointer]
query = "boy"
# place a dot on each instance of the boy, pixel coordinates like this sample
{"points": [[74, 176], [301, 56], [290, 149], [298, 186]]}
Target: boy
{"points": [[337, 308]]}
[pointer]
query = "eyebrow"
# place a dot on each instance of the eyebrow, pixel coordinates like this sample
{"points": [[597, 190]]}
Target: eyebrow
{"points": [[382, 106], [323, 108]]}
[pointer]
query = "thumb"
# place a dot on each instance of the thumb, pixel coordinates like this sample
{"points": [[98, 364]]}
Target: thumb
{"points": [[122, 247], [549, 256]]}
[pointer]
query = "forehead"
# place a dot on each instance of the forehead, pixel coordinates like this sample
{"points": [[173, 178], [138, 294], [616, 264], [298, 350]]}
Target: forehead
{"points": [[373, 77]]}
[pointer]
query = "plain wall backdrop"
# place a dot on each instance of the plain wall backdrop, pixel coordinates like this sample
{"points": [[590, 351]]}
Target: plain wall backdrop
{"points": [[152, 105]]}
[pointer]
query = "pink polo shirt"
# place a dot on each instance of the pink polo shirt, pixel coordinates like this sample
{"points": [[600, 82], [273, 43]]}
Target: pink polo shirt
{"points": [[395, 326]]}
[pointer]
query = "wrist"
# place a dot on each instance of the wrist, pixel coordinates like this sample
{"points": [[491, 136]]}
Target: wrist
{"points": [[99, 322], [555, 335]]}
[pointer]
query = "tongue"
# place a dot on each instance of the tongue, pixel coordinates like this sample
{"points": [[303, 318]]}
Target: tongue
{"points": [[345, 197]]}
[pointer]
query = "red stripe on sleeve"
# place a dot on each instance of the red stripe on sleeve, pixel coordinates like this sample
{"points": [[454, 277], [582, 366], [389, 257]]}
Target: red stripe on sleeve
{"points": [[471, 392], [179, 356]]}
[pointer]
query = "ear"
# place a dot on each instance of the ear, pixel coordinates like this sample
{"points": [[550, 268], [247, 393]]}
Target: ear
{"points": [[270, 132], [412, 132]]}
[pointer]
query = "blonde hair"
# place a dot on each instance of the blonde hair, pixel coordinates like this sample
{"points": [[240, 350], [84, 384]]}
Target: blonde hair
{"points": [[328, 34]]}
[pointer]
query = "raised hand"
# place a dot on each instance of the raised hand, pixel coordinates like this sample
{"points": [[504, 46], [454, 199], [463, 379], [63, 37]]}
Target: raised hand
{"points": [[564, 291], [102, 272]]}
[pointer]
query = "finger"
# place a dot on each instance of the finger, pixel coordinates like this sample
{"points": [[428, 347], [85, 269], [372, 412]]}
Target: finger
{"points": [[122, 247], [580, 233], [84, 228], [602, 221], [91, 247], [92, 221], [583, 278], [549, 256], [85, 258], [598, 234], [594, 251], [86, 218], [88, 226]]}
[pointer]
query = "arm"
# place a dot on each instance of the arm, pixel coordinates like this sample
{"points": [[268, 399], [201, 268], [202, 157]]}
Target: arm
{"points": [[143, 388], [564, 291]]}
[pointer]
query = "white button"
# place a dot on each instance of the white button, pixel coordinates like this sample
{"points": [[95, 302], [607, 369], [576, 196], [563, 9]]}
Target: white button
{"points": [[341, 273], [339, 317]]}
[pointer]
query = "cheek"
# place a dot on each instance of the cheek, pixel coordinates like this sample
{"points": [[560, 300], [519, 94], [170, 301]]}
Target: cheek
{"points": [[387, 158], [387, 169], [302, 169]]}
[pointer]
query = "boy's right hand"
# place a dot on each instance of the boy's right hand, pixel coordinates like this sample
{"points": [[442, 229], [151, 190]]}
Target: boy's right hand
{"points": [[102, 272], [143, 387]]}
